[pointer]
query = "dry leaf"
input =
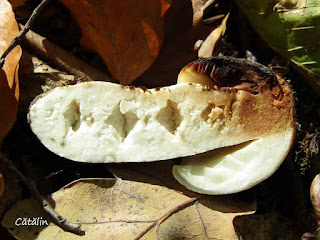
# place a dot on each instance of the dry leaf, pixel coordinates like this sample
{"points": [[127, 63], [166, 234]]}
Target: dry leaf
{"points": [[37, 77], [23, 8], [207, 47], [121, 209], [9, 86], [17, 3], [198, 7], [127, 34], [178, 48]]}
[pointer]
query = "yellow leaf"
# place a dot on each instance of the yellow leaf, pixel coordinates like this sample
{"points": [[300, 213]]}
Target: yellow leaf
{"points": [[127, 34], [208, 45], [122, 209]]}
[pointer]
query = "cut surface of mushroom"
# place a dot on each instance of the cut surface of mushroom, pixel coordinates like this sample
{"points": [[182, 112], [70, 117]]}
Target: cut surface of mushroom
{"points": [[100, 122], [234, 169]]}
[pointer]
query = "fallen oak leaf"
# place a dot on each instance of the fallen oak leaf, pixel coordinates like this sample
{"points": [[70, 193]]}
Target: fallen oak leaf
{"points": [[127, 34], [120, 209], [9, 85]]}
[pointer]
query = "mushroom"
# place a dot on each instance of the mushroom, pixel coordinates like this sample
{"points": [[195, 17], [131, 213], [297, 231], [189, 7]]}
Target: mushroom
{"points": [[106, 122], [240, 167]]}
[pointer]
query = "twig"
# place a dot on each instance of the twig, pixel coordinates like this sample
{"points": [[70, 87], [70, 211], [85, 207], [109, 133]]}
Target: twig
{"points": [[53, 215], [61, 59], [16, 41], [168, 214]]}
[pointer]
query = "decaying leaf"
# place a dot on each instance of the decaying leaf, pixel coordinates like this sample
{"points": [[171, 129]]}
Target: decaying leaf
{"points": [[9, 87], [207, 47], [121, 209], [37, 77], [127, 34], [197, 6]]}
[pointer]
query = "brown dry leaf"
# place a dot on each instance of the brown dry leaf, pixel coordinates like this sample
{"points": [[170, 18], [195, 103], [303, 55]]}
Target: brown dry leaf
{"points": [[207, 47], [22, 8], [127, 34], [9, 86], [121, 209], [17, 3], [181, 33], [38, 77], [198, 7]]}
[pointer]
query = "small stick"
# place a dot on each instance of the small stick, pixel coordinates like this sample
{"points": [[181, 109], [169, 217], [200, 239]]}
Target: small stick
{"points": [[16, 41], [61, 59], [49, 210]]}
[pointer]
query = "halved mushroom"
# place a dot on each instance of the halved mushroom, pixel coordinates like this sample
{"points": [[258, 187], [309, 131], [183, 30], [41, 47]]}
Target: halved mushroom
{"points": [[106, 122], [240, 167]]}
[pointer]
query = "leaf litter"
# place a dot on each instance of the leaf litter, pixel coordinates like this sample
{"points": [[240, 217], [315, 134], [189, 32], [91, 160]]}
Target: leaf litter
{"points": [[163, 71], [122, 209]]}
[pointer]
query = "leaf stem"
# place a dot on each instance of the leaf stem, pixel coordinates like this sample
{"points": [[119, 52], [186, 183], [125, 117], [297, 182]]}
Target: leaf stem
{"points": [[56, 218]]}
